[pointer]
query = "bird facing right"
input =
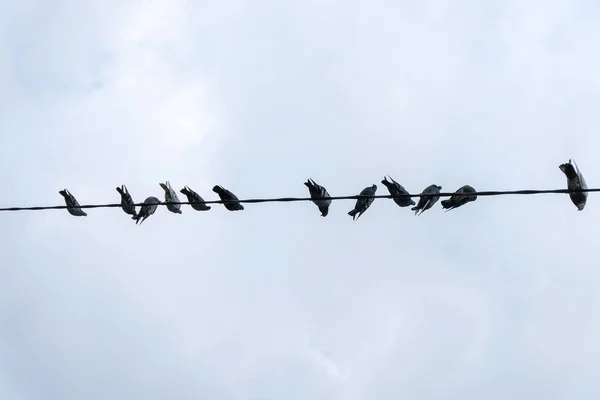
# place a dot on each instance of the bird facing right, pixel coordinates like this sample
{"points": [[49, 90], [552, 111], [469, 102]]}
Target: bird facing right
{"points": [[362, 203], [461, 197], [73, 206], [426, 202], [398, 191], [230, 200], [148, 208], [198, 203]]}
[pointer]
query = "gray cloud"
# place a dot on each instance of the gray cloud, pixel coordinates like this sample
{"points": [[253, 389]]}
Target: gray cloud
{"points": [[495, 300]]}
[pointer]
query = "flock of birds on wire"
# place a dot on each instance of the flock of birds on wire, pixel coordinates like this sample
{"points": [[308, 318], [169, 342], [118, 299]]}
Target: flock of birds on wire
{"points": [[321, 198]]}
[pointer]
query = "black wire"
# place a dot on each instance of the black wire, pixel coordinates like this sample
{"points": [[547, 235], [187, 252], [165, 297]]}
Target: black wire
{"points": [[293, 199]]}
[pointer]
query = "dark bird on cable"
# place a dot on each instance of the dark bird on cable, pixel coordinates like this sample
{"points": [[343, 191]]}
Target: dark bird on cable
{"points": [[73, 206], [198, 203], [426, 202], [230, 200], [171, 197], [363, 203], [461, 197], [317, 191], [575, 181], [127, 203], [396, 190], [148, 208]]}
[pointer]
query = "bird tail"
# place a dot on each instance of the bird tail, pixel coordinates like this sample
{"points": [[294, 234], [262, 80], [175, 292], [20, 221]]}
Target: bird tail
{"points": [[185, 191], [120, 190], [165, 188], [324, 210], [63, 192], [353, 214], [446, 203]]}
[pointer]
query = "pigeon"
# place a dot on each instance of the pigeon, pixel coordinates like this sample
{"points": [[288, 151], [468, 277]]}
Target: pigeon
{"points": [[148, 208], [461, 197], [426, 202], [233, 204], [397, 189], [363, 203], [193, 197], [171, 197], [575, 181], [127, 203], [73, 206], [317, 191]]}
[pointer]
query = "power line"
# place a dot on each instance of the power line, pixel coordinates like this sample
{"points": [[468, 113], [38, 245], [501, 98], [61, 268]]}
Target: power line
{"points": [[294, 199]]}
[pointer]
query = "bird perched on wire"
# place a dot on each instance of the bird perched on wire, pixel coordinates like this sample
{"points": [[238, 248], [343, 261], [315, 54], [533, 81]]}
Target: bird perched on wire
{"points": [[171, 197], [194, 198], [127, 203], [148, 208], [426, 202], [317, 191], [461, 197], [73, 206], [575, 181], [397, 190], [363, 203], [230, 200]]}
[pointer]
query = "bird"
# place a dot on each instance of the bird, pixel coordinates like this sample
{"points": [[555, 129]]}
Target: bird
{"points": [[317, 191], [148, 208], [73, 206], [127, 203], [171, 197], [194, 198], [230, 200], [396, 190], [575, 181], [426, 202], [363, 203], [461, 197]]}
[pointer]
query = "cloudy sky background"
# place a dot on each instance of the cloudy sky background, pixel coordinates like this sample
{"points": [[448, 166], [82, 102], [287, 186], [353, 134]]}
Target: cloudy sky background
{"points": [[498, 299]]}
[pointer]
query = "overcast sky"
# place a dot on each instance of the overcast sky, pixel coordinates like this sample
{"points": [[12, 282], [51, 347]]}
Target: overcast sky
{"points": [[498, 299]]}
